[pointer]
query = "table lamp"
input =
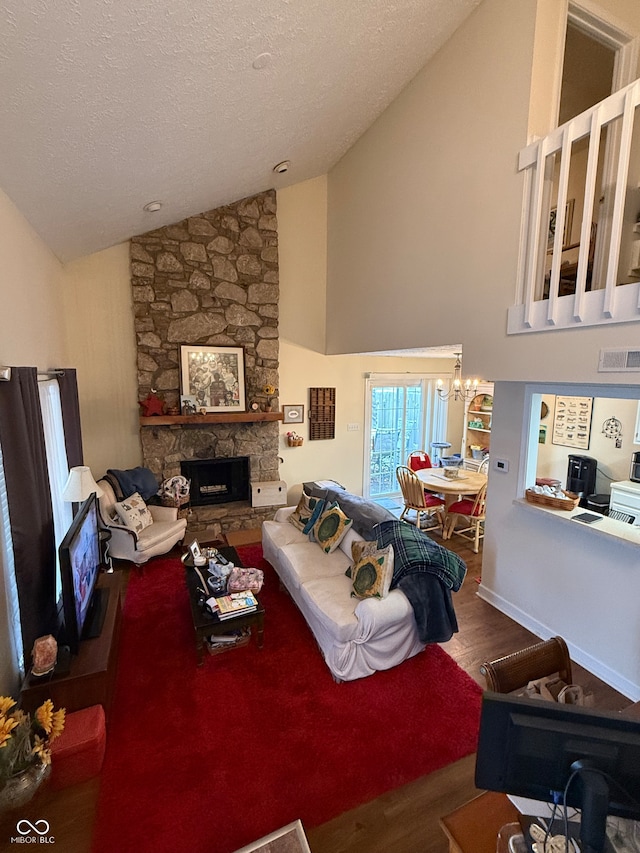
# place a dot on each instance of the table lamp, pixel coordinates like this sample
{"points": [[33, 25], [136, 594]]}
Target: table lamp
{"points": [[80, 484]]}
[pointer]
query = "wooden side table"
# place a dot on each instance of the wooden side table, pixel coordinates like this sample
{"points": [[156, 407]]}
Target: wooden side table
{"points": [[474, 826], [92, 673]]}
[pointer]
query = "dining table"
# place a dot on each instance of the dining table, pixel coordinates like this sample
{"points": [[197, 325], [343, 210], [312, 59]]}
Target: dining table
{"points": [[466, 483]]}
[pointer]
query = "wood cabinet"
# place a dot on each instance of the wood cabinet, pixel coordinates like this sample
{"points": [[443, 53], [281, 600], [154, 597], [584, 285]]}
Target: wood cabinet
{"points": [[476, 434], [474, 827], [92, 672]]}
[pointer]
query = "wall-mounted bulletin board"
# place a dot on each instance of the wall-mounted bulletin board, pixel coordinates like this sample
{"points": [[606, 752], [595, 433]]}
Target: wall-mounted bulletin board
{"points": [[572, 422]]}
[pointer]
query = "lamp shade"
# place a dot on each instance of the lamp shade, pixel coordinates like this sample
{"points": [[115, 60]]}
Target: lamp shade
{"points": [[80, 484]]}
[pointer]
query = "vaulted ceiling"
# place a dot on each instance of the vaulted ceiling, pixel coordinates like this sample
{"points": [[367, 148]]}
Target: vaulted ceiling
{"points": [[107, 105]]}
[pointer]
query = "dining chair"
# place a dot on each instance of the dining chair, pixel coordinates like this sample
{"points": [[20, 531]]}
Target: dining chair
{"points": [[416, 498], [483, 468], [471, 510], [418, 460], [514, 671]]}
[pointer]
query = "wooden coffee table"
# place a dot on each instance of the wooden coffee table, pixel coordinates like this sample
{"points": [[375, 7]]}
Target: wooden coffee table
{"points": [[204, 623]]}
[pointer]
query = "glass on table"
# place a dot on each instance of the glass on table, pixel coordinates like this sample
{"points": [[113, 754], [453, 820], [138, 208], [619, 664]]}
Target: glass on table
{"points": [[510, 839]]}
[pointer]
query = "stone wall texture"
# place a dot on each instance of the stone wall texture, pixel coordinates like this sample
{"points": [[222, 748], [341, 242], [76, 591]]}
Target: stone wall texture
{"points": [[210, 280]]}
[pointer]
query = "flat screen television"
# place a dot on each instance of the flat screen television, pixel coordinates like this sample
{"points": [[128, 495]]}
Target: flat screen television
{"points": [[83, 604], [563, 754]]}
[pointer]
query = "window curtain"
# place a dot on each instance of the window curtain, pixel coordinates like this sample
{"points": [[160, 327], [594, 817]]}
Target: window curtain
{"points": [[68, 384], [29, 503]]}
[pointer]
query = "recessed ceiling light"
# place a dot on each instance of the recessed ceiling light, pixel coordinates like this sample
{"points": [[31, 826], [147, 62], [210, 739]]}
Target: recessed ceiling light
{"points": [[282, 167], [261, 60], [153, 206]]}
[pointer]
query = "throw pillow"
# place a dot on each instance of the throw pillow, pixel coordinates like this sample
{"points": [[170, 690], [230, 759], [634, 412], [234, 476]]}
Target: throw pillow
{"points": [[372, 572], [134, 513], [330, 528], [358, 548], [306, 513]]}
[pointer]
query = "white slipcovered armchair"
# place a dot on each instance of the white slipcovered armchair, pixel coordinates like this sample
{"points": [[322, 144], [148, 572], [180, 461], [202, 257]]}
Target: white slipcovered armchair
{"points": [[158, 538]]}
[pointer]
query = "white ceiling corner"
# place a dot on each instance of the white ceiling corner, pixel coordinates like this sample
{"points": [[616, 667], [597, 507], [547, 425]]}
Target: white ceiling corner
{"points": [[108, 105]]}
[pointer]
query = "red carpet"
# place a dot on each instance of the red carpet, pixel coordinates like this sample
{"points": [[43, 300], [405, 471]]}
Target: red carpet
{"points": [[207, 759]]}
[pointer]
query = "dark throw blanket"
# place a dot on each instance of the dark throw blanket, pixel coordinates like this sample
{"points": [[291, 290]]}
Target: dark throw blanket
{"points": [[427, 573], [140, 480]]}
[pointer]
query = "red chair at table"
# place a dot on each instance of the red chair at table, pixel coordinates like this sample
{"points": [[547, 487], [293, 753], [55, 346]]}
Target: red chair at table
{"points": [[418, 460], [472, 510]]}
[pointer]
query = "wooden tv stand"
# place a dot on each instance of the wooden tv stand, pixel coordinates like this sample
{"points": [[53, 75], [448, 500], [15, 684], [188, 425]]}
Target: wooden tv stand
{"points": [[91, 677]]}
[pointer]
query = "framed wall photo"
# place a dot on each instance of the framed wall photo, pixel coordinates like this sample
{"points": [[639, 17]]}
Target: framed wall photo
{"points": [[572, 422], [293, 414], [214, 376], [289, 839]]}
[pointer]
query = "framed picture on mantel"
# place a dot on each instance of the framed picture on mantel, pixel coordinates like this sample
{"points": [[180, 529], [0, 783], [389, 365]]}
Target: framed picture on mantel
{"points": [[214, 376]]}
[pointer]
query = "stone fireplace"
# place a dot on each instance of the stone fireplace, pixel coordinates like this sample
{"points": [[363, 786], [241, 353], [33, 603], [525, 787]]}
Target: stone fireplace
{"points": [[210, 280]]}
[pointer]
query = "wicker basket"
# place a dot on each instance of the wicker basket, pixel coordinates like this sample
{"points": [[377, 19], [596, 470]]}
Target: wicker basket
{"points": [[172, 502], [567, 503], [294, 442]]}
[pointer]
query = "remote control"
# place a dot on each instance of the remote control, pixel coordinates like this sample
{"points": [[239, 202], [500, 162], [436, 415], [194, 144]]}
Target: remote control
{"points": [[220, 559]]}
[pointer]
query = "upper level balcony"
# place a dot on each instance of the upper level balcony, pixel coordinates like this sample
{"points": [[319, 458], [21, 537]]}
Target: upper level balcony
{"points": [[580, 238]]}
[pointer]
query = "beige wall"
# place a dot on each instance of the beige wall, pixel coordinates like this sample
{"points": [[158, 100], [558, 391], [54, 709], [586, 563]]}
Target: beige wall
{"points": [[302, 240], [31, 331], [302, 256], [424, 209], [31, 334], [99, 320]]}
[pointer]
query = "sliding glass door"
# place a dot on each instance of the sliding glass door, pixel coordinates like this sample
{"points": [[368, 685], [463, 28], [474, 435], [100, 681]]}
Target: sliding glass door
{"points": [[404, 413]]}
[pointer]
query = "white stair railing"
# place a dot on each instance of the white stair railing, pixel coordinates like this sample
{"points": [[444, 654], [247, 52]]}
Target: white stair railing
{"points": [[603, 304]]}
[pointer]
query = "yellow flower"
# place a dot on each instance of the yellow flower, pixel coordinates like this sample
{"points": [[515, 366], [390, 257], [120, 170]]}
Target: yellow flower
{"points": [[6, 704], [7, 725], [44, 716], [41, 749], [57, 723]]}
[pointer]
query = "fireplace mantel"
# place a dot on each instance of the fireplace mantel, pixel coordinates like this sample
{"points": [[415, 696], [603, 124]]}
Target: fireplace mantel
{"points": [[212, 418]]}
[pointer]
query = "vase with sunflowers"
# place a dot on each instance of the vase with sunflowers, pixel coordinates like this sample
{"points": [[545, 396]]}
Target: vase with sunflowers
{"points": [[25, 749]]}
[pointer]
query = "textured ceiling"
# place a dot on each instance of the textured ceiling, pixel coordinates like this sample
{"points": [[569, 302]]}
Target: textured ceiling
{"points": [[106, 105]]}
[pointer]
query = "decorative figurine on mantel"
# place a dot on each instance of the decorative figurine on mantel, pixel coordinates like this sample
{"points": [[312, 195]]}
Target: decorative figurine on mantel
{"points": [[271, 391], [152, 404]]}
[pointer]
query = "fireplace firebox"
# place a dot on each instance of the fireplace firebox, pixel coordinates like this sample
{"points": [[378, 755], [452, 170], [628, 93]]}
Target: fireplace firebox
{"points": [[216, 481]]}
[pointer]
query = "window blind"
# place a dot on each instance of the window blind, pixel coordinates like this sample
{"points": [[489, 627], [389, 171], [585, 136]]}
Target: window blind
{"points": [[56, 462], [7, 567]]}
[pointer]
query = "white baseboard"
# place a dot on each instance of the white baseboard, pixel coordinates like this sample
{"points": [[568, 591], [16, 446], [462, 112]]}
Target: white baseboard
{"points": [[609, 676]]}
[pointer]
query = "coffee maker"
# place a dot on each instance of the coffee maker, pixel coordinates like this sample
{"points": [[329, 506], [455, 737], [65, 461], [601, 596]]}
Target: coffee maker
{"points": [[634, 474], [581, 476]]}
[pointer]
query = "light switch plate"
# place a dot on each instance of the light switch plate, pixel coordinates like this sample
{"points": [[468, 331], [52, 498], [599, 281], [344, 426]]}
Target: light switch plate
{"points": [[501, 465]]}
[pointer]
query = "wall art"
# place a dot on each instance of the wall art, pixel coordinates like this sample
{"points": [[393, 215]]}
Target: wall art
{"points": [[214, 376]]}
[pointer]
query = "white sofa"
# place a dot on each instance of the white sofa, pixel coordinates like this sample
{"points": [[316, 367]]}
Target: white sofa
{"points": [[357, 637]]}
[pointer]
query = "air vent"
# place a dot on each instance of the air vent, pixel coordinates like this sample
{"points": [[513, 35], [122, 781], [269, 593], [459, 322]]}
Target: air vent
{"points": [[619, 360]]}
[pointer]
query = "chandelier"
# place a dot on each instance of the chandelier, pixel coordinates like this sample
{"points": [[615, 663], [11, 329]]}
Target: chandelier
{"points": [[460, 389]]}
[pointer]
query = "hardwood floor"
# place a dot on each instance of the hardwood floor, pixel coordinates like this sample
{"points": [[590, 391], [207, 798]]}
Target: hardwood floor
{"points": [[404, 820]]}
